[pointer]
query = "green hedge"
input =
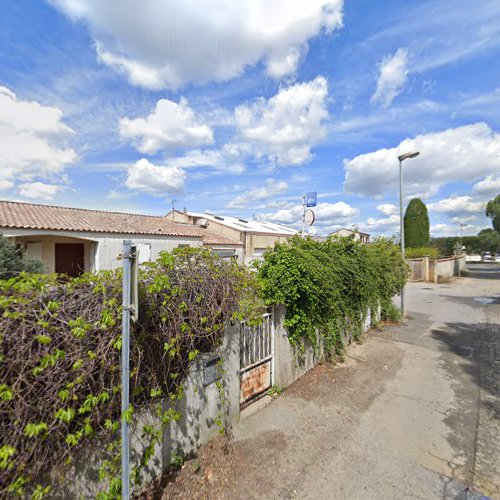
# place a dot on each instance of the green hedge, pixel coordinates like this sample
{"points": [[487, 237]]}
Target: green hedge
{"points": [[328, 286], [415, 253]]}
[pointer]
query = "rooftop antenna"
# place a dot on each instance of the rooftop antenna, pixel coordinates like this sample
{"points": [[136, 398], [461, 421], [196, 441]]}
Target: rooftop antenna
{"points": [[185, 210], [173, 208]]}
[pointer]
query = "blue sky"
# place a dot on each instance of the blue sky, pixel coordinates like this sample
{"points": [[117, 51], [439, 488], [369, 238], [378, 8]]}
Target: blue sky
{"points": [[242, 107]]}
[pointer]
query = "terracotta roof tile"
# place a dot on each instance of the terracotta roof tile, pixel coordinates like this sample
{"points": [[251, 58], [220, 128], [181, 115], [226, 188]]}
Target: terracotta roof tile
{"points": [[45, 217]]}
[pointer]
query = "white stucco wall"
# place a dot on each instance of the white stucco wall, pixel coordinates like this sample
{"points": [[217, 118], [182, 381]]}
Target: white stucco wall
{"points": [[42, 247], [101, 249], [110, 247]]}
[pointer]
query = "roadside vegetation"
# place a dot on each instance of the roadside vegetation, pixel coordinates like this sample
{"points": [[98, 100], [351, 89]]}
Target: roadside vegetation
{"points": [[328, 287], [13, 262], [60, 343], [415, 253], [418, 242], [60, 359]]}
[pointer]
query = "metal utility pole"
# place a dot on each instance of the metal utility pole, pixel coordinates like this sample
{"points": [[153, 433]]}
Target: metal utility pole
{"points": [[173, 209], [303, 215], [402, 158], [129, 257]]}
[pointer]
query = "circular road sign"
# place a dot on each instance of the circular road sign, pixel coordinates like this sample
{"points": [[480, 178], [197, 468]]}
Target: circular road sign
{"points": [[309, 217]]}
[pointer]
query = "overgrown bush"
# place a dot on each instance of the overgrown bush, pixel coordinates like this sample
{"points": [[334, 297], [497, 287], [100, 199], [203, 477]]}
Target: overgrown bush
{"points": [[389, 312], [416, 253], [328, 286], [60, 358], [13, 262]]}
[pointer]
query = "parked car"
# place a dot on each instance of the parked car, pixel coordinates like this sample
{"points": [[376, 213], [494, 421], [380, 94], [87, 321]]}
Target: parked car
{"points": [[487, 256]]}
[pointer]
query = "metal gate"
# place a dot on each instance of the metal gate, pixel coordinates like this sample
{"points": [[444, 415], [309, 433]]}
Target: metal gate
{"points": [[256, 359], [416, 269]]}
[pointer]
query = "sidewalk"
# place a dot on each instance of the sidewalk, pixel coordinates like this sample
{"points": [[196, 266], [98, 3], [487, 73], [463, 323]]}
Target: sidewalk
{"points": [[397, 420]]}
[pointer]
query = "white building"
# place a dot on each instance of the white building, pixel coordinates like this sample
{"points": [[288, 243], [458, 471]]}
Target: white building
{"points": [[74, 240], [256, 236], [358, 235]]}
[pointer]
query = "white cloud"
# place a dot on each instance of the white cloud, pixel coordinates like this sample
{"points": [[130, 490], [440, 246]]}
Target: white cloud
{"points": [[393, 72], [285, 127], [489, 185], [385, 225], [228, 159], [327, 214], [166, 44], [388, 208], [270, 189], [31, 144], [454, 229], [39, 190], [280, 130], [170, 125], [153, 179], [4, 185], [457, 205], [457, 154]]}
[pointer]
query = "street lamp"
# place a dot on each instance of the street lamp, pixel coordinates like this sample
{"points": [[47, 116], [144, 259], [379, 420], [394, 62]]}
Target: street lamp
{"points": [[401, 159]]}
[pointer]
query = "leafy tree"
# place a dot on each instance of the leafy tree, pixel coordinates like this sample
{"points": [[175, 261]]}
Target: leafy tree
{"points": [[446, 244], [13, 262], [493, 212], [489, 241], [416, 224]]}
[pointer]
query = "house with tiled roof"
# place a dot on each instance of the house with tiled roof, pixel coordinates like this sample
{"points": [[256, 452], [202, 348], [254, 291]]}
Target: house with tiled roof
{"points": [[74, 240], [256, 236], [358, 235]]}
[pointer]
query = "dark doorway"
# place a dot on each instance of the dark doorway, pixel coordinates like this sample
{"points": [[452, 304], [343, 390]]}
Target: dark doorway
{"points": [[70, 259]]}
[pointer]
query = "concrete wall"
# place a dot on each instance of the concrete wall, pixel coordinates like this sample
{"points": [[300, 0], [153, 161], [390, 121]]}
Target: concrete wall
{"points": [[446, 268], [200, 408], [436, 270], [289, 363]]}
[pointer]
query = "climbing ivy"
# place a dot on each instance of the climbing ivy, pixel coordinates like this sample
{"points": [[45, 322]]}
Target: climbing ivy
{"points": [[60, 345], [327, 287]]}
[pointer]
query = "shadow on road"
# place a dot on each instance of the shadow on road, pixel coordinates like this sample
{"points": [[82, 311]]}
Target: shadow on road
{"points": [[483, 271], [479, 345]]}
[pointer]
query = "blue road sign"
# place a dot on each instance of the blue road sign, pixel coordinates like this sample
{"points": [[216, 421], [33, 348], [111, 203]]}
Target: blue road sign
{"points": [[311, 199]]}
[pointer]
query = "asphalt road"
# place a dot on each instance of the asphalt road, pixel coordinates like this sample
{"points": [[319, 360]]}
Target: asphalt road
{"points": [[413, 413]]}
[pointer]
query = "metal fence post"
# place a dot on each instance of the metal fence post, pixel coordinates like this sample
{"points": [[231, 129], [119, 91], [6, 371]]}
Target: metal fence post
{"points": [[127, 248]]}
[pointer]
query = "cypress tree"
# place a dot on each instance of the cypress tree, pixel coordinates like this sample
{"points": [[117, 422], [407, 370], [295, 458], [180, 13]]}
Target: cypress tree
{"points": [[416, 224]]}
